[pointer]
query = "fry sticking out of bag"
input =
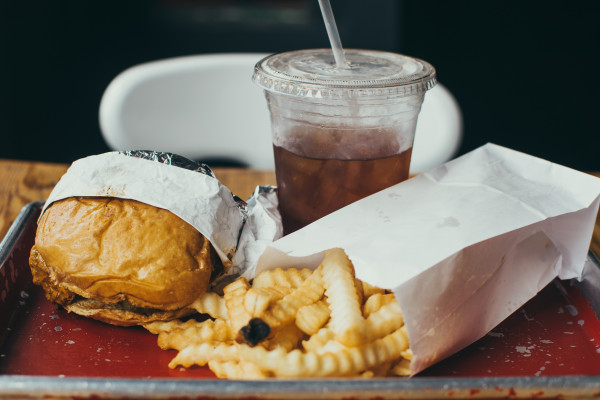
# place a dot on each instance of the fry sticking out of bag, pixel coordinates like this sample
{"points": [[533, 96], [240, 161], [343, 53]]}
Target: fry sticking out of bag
{"points": [[346, 312]]}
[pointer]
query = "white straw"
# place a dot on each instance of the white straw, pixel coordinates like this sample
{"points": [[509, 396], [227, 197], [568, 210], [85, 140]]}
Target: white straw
{"points": [[332, 32]]}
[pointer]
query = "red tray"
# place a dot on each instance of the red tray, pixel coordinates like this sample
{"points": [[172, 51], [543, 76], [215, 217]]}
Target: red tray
{"points": [[550, 347]]}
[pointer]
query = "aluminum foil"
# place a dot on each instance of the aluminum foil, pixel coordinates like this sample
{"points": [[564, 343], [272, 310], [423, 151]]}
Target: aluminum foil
{"points": [[170, 159]]}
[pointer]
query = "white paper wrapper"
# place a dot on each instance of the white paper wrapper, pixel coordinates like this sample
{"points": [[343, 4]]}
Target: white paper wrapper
{"points": [[462, 246], [197, 198]]}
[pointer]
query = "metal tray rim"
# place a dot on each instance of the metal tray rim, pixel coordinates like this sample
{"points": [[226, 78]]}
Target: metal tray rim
{"points": [[15, 229], [567, 386]]}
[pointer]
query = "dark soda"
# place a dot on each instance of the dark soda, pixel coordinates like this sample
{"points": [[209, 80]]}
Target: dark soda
{"points": [[310, 188]]}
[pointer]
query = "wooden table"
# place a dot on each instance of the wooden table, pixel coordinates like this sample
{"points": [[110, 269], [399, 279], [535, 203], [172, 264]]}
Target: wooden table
{"points": [[22, 182]]}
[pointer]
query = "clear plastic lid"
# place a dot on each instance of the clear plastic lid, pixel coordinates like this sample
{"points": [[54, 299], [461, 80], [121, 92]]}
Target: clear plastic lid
{"points": [[313, 73]]}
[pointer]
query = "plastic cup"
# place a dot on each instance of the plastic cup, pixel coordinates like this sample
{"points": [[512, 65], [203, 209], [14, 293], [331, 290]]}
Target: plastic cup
{"points": [[340, 134]]}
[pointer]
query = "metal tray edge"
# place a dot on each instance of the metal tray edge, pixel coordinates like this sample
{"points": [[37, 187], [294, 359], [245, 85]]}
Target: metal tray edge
{"points": [[575, 387], [590, 282], [16, 228]]}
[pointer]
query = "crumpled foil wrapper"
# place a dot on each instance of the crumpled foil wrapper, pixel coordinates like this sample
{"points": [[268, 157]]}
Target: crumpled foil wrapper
{"points": [[170, 159], [238, 230]]}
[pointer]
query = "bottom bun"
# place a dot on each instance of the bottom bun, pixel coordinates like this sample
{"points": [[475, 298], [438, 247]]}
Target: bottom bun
{"points": [[123, 315]]}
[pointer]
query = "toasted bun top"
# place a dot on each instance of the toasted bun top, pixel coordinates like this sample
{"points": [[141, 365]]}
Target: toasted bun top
{"points": [[112, 249]]}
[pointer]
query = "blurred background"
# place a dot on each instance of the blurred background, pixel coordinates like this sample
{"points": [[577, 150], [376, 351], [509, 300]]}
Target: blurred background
{"points": [[523, 72]]}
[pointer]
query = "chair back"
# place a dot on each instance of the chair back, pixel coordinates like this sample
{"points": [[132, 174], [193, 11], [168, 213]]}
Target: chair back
{"points": [[205, 107], [201, 107]]}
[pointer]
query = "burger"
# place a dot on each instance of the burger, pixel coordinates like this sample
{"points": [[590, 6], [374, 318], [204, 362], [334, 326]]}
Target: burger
{"points": [[120, 261]]}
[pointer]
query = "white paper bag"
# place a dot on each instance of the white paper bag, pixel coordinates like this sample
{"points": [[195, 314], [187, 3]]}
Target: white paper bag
{"points": [[462, 246]]}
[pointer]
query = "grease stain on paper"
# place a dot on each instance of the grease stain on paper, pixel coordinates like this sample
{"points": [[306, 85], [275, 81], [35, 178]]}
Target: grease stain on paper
{"points": [[448, 222]]}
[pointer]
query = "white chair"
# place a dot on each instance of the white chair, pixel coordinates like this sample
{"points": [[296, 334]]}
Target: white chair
{"points": [[439, 130], [206, 107]]}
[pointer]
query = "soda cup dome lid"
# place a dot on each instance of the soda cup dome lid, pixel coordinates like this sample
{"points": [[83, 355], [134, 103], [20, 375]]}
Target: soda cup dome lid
{"points": [[370, 73]]}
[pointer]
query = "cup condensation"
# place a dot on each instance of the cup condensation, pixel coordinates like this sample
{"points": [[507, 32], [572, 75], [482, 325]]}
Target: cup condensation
{"points": [[340, 134]]}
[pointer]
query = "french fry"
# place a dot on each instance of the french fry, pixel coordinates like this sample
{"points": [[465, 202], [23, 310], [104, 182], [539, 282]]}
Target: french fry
{"points": [[236, 370], [383, 321], [234, 295], [332, 346], [375, 301], [310, 318], [203, 353], [192, 332], [310, 291], [318, 340], [401, 367], [378, 371], [158, 327], [212, 304], [358, 286], [369, 290], [290, 278], [287, 337], [257, 300], [346, 315]]}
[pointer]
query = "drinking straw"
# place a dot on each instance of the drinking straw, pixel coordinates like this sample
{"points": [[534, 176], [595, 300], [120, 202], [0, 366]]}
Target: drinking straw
{"points": [[332, 32]]}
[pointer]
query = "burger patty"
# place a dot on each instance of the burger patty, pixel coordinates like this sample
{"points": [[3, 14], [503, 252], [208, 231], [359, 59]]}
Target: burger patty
{"points": [[120, 306]]}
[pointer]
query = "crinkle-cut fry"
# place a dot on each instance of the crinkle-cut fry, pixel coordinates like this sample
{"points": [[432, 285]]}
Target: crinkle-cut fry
{"points": [[191, 333], [234, 294], [346, 314], [257, 300], [375, 301], [333, 346], [312, 317], [318, 340], [203, 353], [378, 371], [383, 321], [310, 291], [367, 374], [358, 285], [236, 370], [176, 334], [157, 327], [289, 278], [408, 354], [369, 290], [212, 304], [287, 337], [401, 367], [347, 362]]}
